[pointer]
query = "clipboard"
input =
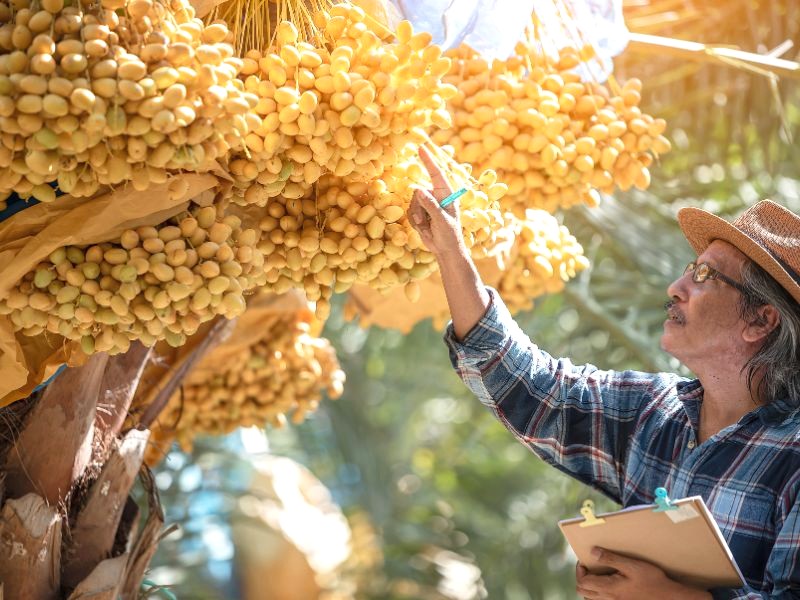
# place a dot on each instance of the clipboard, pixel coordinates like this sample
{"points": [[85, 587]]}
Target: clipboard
{"points": [[679, 536]]}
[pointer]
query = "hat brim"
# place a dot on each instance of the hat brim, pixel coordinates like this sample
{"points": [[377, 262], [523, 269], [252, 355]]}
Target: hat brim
{"points": [[702, 227]]}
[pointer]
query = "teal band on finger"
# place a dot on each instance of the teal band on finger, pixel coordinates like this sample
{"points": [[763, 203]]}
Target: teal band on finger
{"points": [[452, 198]]}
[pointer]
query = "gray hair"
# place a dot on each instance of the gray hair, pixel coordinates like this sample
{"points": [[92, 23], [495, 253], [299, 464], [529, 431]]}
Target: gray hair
{"points": [[778, 359]]}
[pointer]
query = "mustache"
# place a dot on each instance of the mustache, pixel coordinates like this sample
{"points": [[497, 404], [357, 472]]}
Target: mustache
{"points": [[673, 312]]}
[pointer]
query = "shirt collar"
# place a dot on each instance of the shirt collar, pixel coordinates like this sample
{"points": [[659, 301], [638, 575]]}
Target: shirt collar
{"points": [[689, 389], [690, 393], [777, 412]]}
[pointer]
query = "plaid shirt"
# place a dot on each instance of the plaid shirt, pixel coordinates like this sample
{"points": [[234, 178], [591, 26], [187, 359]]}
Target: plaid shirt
{"points": [[627, 433]]}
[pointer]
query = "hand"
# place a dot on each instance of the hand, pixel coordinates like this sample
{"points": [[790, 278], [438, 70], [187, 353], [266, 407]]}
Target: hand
{"points": [[439, 228], [633, 580]]}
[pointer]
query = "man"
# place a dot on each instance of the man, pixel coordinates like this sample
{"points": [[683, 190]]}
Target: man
{"points": [[731, 436]]}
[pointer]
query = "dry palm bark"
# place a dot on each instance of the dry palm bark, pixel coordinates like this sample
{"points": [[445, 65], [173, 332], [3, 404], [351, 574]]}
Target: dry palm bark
{"points": [[30, 547], [120, 380], [54, 446], [94, 531], [104, 582], [146, 544]]}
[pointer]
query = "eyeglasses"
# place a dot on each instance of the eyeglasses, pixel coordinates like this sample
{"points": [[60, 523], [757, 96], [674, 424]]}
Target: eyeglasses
{"points": [[702, 271]]}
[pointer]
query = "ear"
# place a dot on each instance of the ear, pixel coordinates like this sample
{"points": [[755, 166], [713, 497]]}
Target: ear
{"points": [[767, 319]]}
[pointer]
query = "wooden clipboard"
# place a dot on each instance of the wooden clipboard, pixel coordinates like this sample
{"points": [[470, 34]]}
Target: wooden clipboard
{"points": [[685, 542]]}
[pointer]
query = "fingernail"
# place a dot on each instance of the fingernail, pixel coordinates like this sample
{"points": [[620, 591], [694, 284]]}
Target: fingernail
{"points": [[596, 552]]}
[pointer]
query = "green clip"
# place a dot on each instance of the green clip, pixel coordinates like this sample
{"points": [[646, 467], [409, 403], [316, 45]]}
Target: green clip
{"points": [[452, 198], [663, 503]]}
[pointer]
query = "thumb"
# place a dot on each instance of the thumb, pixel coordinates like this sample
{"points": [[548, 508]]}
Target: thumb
{"points": [[623, 564], [428, 203]]}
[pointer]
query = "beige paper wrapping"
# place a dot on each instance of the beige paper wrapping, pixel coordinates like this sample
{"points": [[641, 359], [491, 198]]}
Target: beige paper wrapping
{"points": [[30, 236], [252, 327], [203, 7]]}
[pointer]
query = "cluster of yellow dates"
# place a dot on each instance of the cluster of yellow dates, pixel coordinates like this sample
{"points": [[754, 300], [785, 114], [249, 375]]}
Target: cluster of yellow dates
{"points": [[546, 256], [281, 376], [154, 283], [553, 139], [101, 94], [342, 114], [348, 231], [343, 102], [532, 257], [331, 132]]}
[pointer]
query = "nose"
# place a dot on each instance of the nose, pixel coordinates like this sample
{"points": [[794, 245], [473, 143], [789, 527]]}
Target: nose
{"points": [[678, 288]]}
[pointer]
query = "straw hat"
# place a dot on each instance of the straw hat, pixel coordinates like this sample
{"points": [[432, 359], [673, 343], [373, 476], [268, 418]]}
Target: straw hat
{"points": [[767, 233]]}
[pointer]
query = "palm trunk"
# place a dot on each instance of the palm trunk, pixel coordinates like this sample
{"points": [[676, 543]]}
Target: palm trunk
{"points": [[69, 528]]}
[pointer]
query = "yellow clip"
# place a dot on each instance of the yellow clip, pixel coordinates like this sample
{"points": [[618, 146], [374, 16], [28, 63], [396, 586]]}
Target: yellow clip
{"points": [[588, 514]]}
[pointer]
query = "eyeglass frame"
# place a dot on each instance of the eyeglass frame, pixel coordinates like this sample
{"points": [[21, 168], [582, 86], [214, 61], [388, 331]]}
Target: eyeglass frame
{"points": [[715, 274]]}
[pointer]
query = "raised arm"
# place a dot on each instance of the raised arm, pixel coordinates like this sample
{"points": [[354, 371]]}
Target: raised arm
{"points": [[577, 418], [440, 230]]}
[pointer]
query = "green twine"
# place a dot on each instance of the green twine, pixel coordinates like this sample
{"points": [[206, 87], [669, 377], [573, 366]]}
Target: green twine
{"points": [[161, 590]]}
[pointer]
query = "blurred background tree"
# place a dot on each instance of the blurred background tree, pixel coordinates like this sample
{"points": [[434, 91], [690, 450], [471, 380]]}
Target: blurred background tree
{"points": [[447, 504]]}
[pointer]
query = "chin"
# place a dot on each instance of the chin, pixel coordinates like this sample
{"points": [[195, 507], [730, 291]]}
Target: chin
{"points": [[665, 344], [673, 349]]}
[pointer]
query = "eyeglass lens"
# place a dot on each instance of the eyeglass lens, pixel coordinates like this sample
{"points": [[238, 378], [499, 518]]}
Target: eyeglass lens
{"points": [[700, 272]]}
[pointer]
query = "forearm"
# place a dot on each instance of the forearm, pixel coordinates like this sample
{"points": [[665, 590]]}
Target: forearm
{"points": [[466, 295]]}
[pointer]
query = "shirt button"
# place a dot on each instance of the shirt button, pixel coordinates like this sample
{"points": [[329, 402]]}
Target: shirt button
{"points": [[691, 444]]}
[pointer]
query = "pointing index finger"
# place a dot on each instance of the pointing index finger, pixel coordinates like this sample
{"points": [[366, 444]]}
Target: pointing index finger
{"points": [[440, 185]]}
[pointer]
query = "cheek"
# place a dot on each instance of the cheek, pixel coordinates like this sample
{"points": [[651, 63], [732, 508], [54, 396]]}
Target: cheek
{"points": [[717, 320]]}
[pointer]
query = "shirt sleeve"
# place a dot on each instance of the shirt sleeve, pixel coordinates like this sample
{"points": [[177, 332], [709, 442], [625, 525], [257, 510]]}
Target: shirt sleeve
{"points": [[577, 418], [744, 594], [783, 565]]}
